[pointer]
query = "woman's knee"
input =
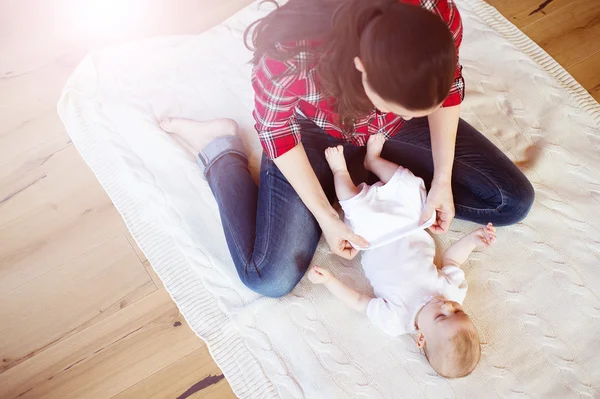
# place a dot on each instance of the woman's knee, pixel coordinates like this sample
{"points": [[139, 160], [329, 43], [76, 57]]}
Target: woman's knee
{"points": [[278, 273], [517, 205], [274, 281]]}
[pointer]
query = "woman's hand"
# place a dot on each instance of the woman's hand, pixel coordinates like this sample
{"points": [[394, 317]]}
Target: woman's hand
{"points": [[339, 236], [440, 201]]}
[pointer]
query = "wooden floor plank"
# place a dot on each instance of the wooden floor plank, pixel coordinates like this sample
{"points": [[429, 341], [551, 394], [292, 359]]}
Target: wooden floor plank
{"points": [[108, 357], [587, 72], [27, 134], [65, 300], [524, 12], [56, 211], [194, 376], [153, 275], [136, 248], [20, 172], [570, 34]]}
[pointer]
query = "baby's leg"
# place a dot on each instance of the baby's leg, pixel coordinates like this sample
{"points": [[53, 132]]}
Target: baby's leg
{"points": [[383, 168], [344, 187]]}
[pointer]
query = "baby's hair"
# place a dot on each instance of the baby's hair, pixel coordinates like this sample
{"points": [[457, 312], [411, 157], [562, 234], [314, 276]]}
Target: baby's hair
{"points": [[457, 358]]}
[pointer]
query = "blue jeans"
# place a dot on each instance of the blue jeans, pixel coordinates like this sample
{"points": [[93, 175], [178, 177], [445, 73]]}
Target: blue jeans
{"points": [[272, 236]]}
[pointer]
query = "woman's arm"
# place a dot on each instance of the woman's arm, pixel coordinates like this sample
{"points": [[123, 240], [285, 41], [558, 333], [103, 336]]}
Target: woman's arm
{"points": [[297, 170], [279, 132], [443, 125]]}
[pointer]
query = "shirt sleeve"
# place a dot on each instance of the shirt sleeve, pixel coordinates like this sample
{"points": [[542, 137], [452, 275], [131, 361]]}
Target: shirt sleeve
{"points": [[455, 283], [389, 318], [447, 10], [454, 275], [274, 106]]}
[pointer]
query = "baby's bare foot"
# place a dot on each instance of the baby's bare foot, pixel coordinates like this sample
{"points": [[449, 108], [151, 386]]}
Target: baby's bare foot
{"points": [[374, 147], [198, 134], [335, 159]]}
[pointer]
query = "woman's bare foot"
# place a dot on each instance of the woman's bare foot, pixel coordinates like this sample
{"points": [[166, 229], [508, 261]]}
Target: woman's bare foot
{"points": [[335, 159], [374, 147], [198, 134]]}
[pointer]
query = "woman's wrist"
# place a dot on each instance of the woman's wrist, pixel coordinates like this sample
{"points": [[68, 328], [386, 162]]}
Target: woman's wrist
{"points": [[325, 214], [442, 179]]}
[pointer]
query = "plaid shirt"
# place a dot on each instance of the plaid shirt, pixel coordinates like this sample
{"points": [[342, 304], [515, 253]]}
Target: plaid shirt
{"points": [[282, 89]]}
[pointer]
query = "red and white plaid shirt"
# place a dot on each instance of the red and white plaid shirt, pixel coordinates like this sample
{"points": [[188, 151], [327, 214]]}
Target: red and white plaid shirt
{"points": [[284, 88]]}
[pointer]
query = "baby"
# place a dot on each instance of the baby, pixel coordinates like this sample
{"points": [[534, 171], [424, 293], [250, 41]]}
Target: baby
{"points": [[412, 294]]}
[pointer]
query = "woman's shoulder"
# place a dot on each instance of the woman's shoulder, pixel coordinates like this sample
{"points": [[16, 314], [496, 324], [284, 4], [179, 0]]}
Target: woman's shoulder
{"points": [[429, 4], [444, 8], [298, 59]]}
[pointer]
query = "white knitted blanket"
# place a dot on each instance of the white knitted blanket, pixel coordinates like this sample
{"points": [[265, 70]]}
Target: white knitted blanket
{"points": [[534, 296]]}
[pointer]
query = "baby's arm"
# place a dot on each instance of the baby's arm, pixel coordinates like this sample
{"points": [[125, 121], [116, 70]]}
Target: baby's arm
{"points": [[347, 295], [459, 252]]}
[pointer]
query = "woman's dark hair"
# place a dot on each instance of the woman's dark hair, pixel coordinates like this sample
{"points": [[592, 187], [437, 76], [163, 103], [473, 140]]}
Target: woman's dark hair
{"points": [[408, 52]]}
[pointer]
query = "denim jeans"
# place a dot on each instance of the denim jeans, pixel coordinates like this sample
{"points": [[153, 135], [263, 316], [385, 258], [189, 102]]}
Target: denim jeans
{"points": [[272, 236]]}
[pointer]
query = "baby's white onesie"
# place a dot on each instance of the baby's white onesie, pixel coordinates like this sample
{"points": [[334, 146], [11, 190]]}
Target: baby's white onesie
{"points": [[399, 262]]}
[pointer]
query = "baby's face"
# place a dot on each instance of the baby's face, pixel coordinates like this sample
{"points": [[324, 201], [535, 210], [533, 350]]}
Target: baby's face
{"points": [[440, 319]]}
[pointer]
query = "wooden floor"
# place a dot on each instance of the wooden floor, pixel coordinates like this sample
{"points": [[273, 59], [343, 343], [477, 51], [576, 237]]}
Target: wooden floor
{"points": [[82, 314]]}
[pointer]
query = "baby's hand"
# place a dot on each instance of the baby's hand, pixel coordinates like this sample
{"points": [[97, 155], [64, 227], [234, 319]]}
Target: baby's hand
{"points": [[318, 275], [485, 235]]}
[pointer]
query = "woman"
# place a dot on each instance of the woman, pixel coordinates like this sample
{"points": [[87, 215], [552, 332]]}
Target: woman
{"points": [[329, 72]]}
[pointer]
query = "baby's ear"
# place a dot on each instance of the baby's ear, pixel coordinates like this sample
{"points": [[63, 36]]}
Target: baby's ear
{"points": [[421, 340]]}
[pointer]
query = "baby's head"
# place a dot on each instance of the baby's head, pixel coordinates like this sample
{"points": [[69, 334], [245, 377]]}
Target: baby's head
{"points": [[448, 337]]}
